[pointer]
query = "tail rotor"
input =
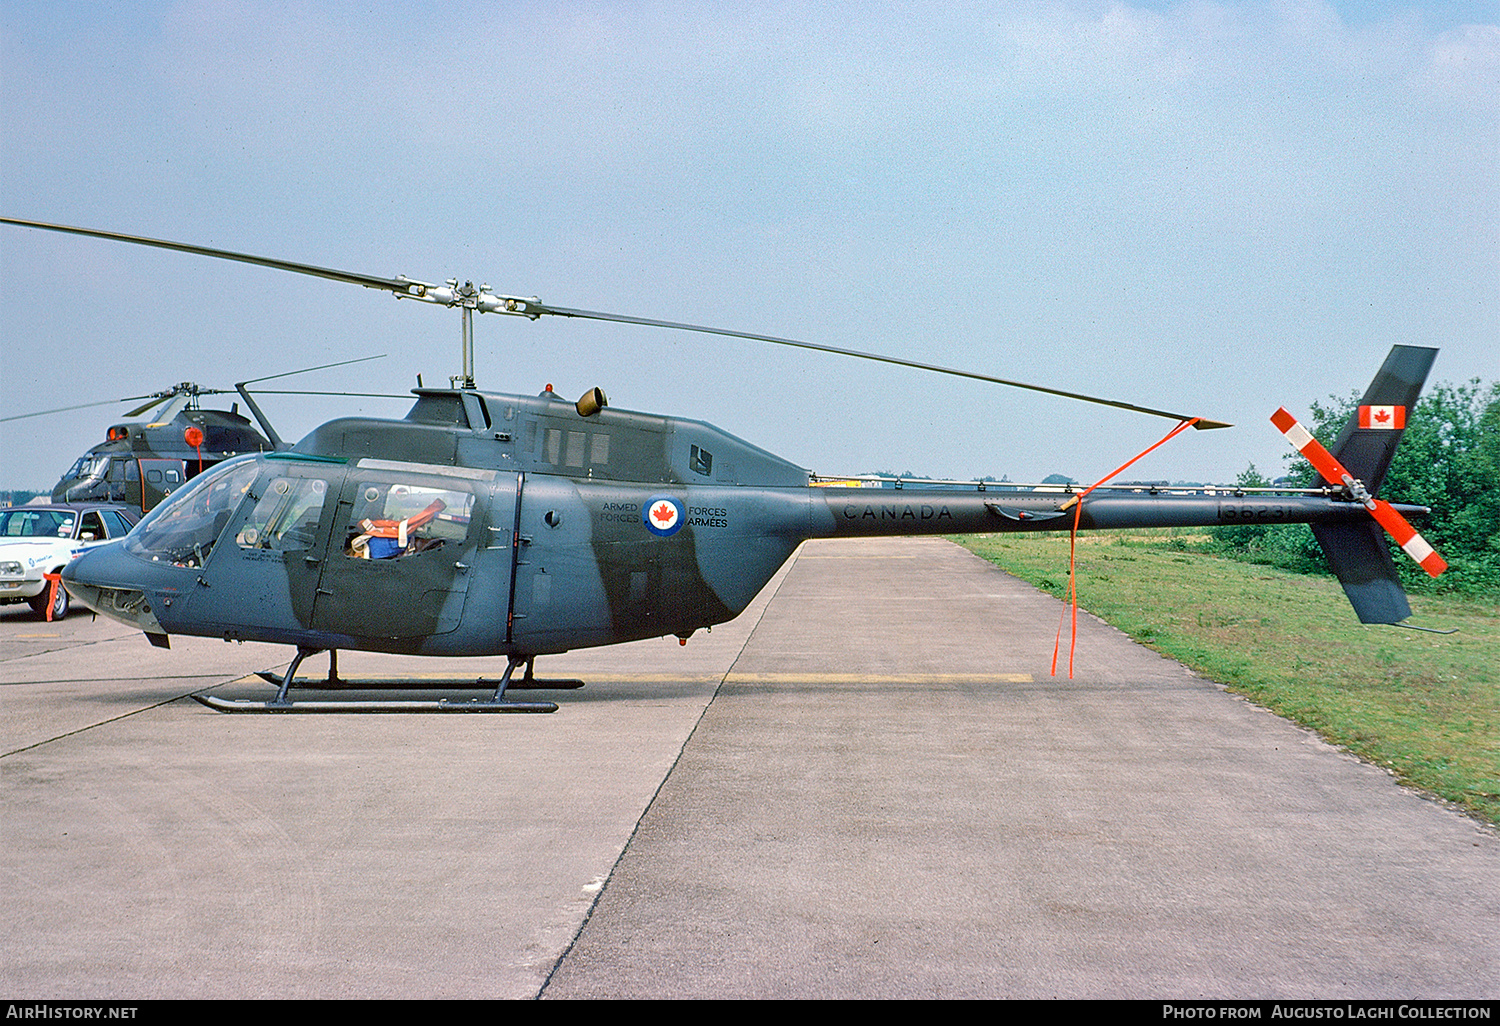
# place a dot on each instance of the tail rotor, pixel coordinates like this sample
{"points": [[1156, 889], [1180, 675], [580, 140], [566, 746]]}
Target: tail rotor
{"points": [[1364, 449]]}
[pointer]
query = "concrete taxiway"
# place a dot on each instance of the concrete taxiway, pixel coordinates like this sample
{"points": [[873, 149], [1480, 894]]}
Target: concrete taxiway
{"points": [[866, 786]]}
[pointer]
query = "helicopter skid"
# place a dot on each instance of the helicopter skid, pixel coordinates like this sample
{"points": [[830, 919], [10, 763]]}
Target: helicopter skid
{"points": [[422, 684], [440, 705], [496, 703]]}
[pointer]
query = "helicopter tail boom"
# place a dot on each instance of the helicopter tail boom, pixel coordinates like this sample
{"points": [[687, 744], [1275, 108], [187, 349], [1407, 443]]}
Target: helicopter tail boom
{"points": [[856, 512]]}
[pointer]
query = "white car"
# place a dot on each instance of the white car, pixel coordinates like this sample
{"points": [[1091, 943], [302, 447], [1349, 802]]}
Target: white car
{"points": [[38, 540]]}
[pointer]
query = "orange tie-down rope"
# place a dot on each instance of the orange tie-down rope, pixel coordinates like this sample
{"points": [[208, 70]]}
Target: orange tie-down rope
{"points": [[1073, 547], [393, 530]]}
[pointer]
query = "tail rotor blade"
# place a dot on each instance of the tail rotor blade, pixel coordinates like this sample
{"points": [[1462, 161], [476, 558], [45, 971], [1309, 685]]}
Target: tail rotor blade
{"points": [[1303, 441], [1412, 543]]}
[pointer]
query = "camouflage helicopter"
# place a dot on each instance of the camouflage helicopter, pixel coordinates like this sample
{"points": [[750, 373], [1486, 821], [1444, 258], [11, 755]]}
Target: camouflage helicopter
{"points": [[141, 462], [487, 524]]}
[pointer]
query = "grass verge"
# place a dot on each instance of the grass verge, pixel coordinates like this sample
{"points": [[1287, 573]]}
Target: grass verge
{"points": [[1426, 706]]}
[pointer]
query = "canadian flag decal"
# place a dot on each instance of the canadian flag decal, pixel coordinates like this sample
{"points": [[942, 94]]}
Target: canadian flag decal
{"points": [[1389, 418]]}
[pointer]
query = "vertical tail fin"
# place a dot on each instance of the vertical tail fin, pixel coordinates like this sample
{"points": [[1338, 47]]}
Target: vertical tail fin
{"points": [[1368, 441], [1357, 553]]}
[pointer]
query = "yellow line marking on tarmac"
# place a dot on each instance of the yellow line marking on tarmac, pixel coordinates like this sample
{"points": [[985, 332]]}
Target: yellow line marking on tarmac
{"points": [[862, 555]]}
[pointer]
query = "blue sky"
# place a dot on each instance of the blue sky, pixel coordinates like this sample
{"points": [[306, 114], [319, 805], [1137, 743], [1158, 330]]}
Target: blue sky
{"points": [[1215, 207]]}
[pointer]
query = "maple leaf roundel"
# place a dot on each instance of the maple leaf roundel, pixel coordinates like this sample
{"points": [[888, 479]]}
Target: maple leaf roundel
{"points": [[662, 515]]}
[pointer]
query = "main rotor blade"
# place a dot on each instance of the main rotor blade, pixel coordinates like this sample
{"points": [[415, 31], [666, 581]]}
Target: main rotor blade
{"points": [[533, 308], [367, 280], [896, 360]]}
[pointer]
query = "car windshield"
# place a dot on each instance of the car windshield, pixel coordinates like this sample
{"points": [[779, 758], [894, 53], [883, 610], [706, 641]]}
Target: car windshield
{"points": [[37, 523]]}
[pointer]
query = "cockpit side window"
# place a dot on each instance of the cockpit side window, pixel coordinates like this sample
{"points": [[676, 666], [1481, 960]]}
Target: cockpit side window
{"points": [[182, 531], [286, 516]]}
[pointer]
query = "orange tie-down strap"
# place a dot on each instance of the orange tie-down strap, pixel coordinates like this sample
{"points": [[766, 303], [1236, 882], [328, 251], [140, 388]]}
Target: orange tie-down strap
{"points": [[399, 529], [1077, 506], [54, 581]]}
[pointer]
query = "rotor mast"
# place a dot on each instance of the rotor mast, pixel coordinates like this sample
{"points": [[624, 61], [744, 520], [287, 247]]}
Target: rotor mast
{"points": [[468, 299]]}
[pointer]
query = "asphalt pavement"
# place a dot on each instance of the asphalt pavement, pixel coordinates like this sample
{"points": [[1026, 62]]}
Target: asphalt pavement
{"points": [[866, 786]]}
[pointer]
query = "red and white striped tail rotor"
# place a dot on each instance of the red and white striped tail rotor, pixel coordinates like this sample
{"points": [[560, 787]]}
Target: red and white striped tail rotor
{"points": [[1412, 543]]}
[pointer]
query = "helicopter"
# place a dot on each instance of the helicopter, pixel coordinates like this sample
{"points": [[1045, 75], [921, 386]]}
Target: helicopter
{"points": [[142, 462], [139, 463], [493, 524]]}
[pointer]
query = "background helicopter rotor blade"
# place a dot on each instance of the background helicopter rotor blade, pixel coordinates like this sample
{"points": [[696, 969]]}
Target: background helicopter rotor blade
{"points": [[485, 301], [64, 409], [180, 393], [156, 398], [174, 406], [153, 401], [309, 370], [352, 395]]}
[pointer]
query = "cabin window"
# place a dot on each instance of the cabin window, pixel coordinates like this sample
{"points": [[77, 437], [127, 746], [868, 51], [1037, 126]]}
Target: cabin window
{"points": [[286, 517], [576, 441], [393, 520]]}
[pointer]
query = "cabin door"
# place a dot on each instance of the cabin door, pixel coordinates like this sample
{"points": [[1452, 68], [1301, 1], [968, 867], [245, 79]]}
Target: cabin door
{"points": [[403, 543]]}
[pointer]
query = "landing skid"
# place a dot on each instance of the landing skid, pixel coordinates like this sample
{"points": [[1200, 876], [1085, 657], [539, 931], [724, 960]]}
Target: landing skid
{"points": [[439, 705], [333, 682], [497, 703]]}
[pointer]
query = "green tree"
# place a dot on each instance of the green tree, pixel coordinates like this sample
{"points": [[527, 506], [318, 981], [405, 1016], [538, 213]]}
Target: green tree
{"points": [[1243, 536]]}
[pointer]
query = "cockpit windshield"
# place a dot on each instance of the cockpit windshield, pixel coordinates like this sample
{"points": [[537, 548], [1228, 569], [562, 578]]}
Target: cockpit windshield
{"points": [[182, 530], [87, 468]]}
